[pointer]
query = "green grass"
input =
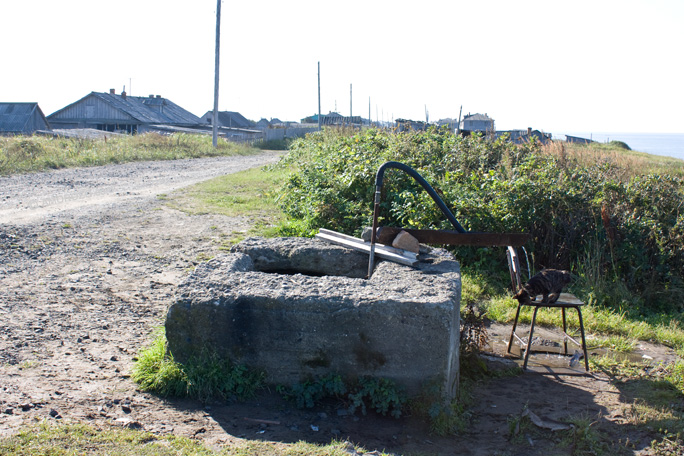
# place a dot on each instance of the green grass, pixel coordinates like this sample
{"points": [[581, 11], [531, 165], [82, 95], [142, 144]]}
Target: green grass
{"points": [[78, 439], [252, 194], [22, 154], [209, 377]]}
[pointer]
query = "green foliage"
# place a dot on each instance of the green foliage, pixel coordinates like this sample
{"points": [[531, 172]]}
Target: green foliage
{"points": [[20, 154], [628, 229], [445, 419], [274, 144], [308, 393], [620, 145], [378, 394], [201, 378]]}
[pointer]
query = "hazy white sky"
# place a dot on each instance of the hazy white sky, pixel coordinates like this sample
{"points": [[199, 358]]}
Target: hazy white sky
{"points": [[558, 66]]}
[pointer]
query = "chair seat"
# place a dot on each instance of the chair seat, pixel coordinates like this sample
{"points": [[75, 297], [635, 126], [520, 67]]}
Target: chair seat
{"points": [[564, 300]]}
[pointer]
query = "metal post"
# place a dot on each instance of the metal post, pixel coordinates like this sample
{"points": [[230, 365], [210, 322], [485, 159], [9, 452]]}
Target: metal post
{"points": [[214, 140]]}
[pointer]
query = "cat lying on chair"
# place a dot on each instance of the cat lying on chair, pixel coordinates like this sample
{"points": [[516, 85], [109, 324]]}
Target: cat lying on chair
{"points": [[548, 282]]}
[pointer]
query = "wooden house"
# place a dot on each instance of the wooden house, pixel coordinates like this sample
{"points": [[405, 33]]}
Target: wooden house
{"points": [[230, 119], [478, 122], [122, 113], [21, 119], [578, 140]]}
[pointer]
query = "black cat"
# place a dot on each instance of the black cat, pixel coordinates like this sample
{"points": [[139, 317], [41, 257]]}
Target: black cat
{"points": [[548, 282]]}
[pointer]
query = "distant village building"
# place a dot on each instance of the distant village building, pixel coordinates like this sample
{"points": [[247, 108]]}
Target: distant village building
{"points": [[477, 122], [523, 136], [123, 113], [333, 118], [578, 140], [229, 119], [451, 124], [22, 119], [408, 125]]}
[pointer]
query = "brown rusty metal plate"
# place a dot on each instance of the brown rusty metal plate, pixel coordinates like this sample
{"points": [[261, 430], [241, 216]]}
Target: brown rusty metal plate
{"points": [[443, 237]]}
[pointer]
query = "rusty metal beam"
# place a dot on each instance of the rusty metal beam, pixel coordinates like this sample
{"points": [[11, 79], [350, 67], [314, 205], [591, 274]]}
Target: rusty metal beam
{"points": [[387, 234]]}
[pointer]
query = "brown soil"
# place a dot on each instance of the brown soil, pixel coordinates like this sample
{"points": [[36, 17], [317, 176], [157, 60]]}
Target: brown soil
{"points": [[89, 260]]}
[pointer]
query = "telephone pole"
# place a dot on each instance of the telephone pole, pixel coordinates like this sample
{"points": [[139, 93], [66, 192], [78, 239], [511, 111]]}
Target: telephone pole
{"points": [[214, 140], [319, 96]]}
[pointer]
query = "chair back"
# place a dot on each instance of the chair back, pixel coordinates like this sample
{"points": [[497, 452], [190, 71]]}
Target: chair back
{"points": [[514, 268]]}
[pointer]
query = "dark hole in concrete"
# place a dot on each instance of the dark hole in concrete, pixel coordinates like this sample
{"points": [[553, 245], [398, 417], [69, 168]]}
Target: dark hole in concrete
{"points": [[293, 272]]}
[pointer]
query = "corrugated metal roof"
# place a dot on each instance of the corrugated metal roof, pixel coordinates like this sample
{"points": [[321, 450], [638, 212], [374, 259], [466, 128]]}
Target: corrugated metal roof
{"points": [[231, 119], [146, 110], [150, 110], [477, 117], [16, 117]]}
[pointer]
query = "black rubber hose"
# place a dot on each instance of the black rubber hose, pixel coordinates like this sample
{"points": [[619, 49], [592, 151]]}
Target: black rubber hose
{"points": [[428, 188]]}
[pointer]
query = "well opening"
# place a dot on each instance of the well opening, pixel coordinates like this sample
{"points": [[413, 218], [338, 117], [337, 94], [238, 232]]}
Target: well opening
{"points": [[296, 307]]}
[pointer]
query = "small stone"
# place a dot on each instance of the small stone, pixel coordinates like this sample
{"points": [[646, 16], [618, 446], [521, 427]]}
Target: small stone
{"points": [[55, 414], [114, 358], [8, 411], [125, 408], [25, 407], [405, 241]]}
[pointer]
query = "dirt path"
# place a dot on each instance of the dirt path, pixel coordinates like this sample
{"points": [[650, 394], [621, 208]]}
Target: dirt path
{"points": [[89, 260]]}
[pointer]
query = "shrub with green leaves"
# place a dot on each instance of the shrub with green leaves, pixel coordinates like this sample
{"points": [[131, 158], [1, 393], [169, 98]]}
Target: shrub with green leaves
{"points": [[631, 228], [378, 394]]}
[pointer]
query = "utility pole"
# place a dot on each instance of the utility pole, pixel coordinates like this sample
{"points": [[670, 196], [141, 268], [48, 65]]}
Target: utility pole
{"points": [[350, 105], [214, 139], [319, 96], [458, 127]]}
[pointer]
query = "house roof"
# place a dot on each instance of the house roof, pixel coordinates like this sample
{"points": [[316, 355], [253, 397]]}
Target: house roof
{"points": [[145, 110], [477, 117], [15, 117], [230, 119]]}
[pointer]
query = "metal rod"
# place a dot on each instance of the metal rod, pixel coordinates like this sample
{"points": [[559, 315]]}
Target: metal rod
{"points": [[374, 233]]}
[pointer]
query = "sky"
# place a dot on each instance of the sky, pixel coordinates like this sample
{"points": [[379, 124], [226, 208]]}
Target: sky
{"points": [[553, 65]]}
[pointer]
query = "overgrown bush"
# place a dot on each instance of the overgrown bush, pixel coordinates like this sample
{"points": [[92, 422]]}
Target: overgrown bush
{"points": [[630, 226]]}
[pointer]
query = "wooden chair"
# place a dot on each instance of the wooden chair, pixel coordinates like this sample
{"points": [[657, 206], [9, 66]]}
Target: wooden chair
{"points": [[565, 301]]}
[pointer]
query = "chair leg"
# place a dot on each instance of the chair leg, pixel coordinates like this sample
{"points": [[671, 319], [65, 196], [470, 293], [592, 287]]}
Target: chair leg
{"points": [[584, 342], [529, 339], [565, 331], [515, 325]]}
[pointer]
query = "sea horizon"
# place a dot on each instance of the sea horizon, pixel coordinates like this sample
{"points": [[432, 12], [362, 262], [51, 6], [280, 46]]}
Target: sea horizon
{"points": [[664, 144]]}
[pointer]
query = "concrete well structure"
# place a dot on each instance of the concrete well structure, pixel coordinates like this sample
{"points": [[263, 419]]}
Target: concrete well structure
{"points": [[296, 307]]}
